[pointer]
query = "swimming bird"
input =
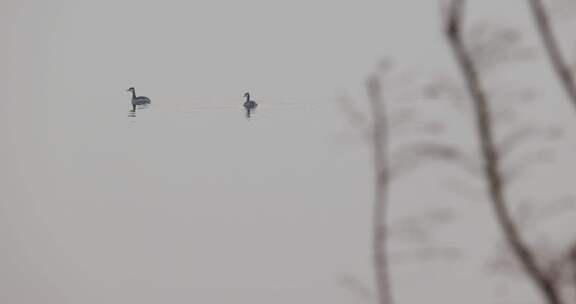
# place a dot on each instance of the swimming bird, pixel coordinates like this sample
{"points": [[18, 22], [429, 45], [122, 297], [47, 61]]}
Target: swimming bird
{"points": [[140, 100], [249, 105]]}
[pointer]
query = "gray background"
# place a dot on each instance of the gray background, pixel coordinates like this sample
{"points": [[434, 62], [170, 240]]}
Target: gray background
{"points": [[190, 203]]}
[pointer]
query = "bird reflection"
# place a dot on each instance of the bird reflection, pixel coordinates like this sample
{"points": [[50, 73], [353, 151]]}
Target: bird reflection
{"points": [[249, 105]]}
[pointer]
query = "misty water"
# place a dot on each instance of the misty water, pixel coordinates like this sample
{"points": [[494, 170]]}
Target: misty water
{"points": [[188, 201], [180, 202]]}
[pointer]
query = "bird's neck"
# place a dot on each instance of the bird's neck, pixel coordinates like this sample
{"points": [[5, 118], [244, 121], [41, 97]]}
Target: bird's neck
{"points": [[247, 97], [133, 94]]}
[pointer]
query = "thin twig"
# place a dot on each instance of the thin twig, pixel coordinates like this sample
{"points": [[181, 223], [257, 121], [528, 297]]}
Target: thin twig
{"points": [[553, 49]]}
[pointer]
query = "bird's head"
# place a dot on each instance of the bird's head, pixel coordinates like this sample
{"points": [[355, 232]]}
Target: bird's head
{"points": [[246, 94], [131, 89]]}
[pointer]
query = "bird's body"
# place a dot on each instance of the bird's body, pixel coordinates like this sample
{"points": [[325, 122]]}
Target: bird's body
{"points": [[249, 105], [138, 100]]}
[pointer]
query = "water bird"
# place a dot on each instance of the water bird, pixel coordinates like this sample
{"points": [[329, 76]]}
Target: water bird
{"points": [[249, 105], [138, 100]]}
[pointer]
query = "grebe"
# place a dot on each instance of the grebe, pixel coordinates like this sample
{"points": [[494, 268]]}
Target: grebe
{"points": [[249, 105], [137, 101]]}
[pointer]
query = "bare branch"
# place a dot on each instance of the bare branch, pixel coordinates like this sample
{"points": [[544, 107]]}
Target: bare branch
{"points": [[443, 88], [530, 214], [491, 158], [512, 172], [573, 265], [514, 139], [427, 254], [553, 49], [493, 46], [354, 115], [411, 155], [357, 287], [381, 177], [453, 18], [418, 228]]}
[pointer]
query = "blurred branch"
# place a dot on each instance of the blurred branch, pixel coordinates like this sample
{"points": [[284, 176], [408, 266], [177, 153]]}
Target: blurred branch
{"points": [[411, 155], [354, 115], [553, 49], [523, 134], [427, 254], [523, 254], [381, 176], [573, 266], [417, 229], [493, 46], [514, 170], [357, 287], [530, 215]]}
